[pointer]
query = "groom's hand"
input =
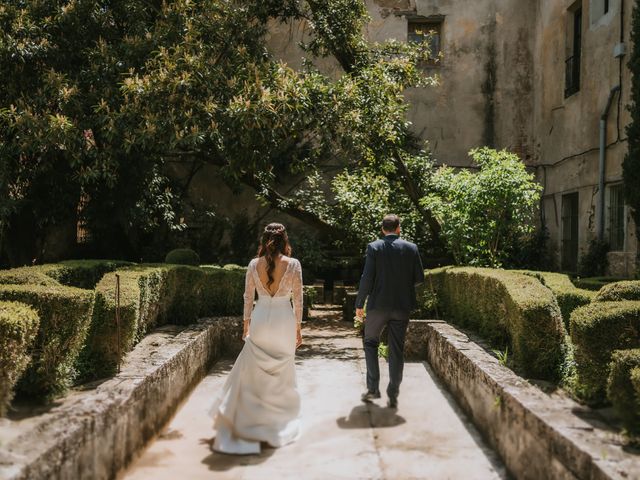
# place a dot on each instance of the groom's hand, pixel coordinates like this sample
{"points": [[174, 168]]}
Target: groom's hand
{"points": [[360, 313]]}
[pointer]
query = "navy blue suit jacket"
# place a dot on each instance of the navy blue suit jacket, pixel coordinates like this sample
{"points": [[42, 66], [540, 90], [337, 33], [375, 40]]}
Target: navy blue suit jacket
{"points": [[391, 271]]}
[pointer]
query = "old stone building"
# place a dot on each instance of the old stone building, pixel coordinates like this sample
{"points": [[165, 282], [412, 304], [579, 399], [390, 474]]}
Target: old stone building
{"points": [[544, 78]]}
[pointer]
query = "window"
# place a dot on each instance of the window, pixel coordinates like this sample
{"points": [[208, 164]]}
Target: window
{"points": [[599, 8], [570, 207], [82, 231], [572, 64], [616, 218], [425, 29]]}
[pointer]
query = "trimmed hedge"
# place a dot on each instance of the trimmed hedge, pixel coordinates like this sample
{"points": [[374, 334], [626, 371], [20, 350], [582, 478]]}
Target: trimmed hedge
{"points": [[151, 295], [36, 275], [140, 301], [183, 256], [623, 388], [82, 273], [18, 329], [625, 290], [73, 273], [508, 309], [594, 283], [569, 296], [597, 330], [65, 313]]}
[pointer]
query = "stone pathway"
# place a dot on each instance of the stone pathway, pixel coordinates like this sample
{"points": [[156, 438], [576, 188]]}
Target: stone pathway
{"points": [[428, 437]]}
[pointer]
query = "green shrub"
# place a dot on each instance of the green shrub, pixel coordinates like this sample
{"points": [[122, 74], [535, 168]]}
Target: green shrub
{"points": [[18, 329], [508, 309], [594, 283], [427, 294], [141, 299], [153, 295], [82, 273], [73, 273], [623, 387], [597, 330], [613, 292], [36, 275], [65, 313], [309, 298], [223, 291], [182, 256], [594, 261], [569, 296]]}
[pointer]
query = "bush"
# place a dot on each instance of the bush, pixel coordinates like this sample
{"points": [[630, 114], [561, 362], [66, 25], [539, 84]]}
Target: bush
{"points": [[152, 295], [508, 309], [18, 329], [222, 291], [594, 283], [569, 296], [597, 330], [484, 214], [140, 302], [82, 273], [623, 387], [65, 313], [73, 273], [182, 256], [613, 292], [309, 298], [594, 261], [36, 275]]}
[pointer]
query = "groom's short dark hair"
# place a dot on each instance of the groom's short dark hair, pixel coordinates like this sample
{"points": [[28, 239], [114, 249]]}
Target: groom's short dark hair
{"points": [[390, 222]]}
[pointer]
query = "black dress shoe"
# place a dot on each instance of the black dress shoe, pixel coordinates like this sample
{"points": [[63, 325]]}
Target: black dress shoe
{"points": [[369, 397], [392, 402]]}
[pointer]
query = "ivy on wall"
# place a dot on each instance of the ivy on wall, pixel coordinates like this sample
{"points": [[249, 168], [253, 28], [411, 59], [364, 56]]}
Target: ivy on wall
{"points": [[631, 164]]}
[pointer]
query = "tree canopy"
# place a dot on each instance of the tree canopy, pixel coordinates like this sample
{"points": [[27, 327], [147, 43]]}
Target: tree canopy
{"points": [[100, 95]]}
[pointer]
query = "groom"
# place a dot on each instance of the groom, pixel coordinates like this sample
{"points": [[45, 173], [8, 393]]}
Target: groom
{"points": [[391, 271]]}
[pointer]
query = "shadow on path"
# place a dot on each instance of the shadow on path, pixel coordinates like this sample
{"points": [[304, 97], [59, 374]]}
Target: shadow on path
{"points": [[371, 416], [222, 462]]}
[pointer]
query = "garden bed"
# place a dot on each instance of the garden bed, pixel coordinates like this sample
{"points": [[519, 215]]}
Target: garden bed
{"points": [[94, 433], [523, 423]]}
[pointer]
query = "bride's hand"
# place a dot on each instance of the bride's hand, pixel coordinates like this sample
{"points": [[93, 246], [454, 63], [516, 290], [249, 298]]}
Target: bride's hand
{"points": [[245, 329], [298, 338]]}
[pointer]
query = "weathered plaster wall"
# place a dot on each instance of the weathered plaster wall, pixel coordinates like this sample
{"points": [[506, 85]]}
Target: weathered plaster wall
{"points": [[566, 130]]}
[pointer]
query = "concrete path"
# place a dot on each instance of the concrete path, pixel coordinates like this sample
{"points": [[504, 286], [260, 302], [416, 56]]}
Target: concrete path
{"points": [[427, 438]]}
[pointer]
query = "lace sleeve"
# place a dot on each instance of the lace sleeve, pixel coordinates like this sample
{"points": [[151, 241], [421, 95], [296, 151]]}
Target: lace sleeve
{"points": [[297, 291], [249, 292]]}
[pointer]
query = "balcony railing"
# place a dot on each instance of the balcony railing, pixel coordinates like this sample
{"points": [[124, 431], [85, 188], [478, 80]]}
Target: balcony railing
{"points": [[572, 75]]}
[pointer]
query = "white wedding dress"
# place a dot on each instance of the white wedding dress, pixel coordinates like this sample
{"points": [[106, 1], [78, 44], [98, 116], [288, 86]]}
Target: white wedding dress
{"points": [[260, 401]]}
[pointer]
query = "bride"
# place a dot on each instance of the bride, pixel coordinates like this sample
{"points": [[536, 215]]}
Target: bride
{"points": [[260, 401]]}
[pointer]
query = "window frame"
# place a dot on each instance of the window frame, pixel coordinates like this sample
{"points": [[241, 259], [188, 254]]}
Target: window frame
{"points": [[616, 221], [573, 62], [431, 23]]}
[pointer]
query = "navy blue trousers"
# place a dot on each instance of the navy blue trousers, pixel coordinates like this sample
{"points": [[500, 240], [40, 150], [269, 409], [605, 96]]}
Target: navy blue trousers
{"points": [[396, 323]]}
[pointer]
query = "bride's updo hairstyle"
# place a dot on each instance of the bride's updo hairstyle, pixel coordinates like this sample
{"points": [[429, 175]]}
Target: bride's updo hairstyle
{"points": [[274, 241]]}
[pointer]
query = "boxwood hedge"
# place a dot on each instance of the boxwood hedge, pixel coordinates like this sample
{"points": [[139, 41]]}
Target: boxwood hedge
{"points": [[623, 388], [73, 273], [625, 290], [65, 313], [151, 295], [597, 330], [594, 283], [18, 328], [36, 275], [509, 309], [183, 256], [82, 273], [569, 296]]}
